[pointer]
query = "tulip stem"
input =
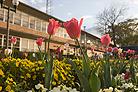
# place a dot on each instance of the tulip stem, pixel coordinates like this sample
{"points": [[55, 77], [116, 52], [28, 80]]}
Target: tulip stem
{"points": [[48, 52], [82, 51]]}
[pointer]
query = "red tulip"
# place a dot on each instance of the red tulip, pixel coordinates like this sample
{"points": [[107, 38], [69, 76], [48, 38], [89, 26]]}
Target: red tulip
{"points": [[129, 51], [101, 48], [95, 54], [0, 51], [109, 49], [92, 49], [13, 40], [39, 41], [105, 49], [115, 50], [136, 56], [54, 50], [59, 50], [124, 52], [105, 40], [133, 52], [56, 56], [25, 54], [73, 28], [53, 26], [127, 75]]}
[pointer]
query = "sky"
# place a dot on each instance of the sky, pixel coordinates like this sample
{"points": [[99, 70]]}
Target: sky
{"points": [[87, 9]]}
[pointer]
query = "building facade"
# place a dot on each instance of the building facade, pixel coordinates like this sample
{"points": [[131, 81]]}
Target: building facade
{"points": [[28, 24]]}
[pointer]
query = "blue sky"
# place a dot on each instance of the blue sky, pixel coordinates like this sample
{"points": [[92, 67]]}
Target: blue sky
{"points": [[67, 9]]}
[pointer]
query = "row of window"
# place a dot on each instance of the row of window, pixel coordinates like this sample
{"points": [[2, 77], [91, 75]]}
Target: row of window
{"points": [[31, 22]]}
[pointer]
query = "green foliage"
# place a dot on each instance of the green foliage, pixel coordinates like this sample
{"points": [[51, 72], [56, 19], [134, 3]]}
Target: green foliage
{"points": [[126, 32], [132, 70], [84, 81]]}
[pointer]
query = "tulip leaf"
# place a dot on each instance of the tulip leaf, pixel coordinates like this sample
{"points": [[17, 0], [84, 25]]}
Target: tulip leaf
{"points": [[49, 72], [95, 83], [84, 70], [86, 65], [84, 81], [132, 70], [122, 68], [114, 82]]}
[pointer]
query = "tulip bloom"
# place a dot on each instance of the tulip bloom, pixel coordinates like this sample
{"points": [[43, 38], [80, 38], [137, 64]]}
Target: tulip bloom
{"points": [[124, 52], [56, 56], [105, 40], [66, 45], [33, 54], [25, 55], [95, 54], [132, 51], [73, 28], [13, 40], [53, 26], [100, 56], [127, 75], [101, 48], [129, 51], [7, 52], [115, 50], [120, 50], [59, 50], [54, 50], [109, 49], [39, 41], [0, 51], [92, 49]]}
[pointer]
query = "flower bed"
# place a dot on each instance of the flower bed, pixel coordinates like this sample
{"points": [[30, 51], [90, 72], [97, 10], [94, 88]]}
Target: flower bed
{"points": [[110, 72]]}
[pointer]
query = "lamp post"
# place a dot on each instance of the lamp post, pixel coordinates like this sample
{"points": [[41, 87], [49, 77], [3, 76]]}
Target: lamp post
{"points": [[84, 38], [15, 4]]}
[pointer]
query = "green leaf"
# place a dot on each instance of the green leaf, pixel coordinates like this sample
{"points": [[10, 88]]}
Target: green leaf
{"points": [[49, 72], [95, 83], [132, 70], [86, 65], [84, 81], [114, 82]]}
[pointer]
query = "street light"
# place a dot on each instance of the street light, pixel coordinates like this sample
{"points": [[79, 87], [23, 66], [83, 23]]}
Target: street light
{"points": [[84, 38], [15, 4]]}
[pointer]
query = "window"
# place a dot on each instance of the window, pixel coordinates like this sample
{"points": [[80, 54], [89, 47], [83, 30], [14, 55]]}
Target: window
{"points": [[44, 26], [25, 20], [38, 24], [24, 44], [1, 14], [32, 22], [31, 45], [17, 18], [60, 32]]}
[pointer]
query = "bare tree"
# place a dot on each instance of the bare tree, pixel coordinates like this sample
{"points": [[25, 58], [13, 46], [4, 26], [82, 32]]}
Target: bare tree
{"points": [[109, 17]]}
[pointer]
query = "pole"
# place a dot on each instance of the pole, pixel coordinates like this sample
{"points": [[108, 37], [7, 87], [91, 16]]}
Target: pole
{"points": [[7, 31], [47, 6], [84, 38]]}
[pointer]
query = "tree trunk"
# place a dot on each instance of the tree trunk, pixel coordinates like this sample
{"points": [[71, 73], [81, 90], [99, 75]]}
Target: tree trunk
{"points": [[113, 29]]}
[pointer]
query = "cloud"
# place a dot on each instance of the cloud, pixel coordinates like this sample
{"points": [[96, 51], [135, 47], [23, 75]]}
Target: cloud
{"points": [[135, 1], [135, 16], [61, 5], [40, 1], [33, 1], [24, 1], [87, 16], [69, 14], [43, 9]]}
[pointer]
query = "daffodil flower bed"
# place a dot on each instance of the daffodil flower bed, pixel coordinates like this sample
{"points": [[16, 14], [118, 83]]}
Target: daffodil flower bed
{"points": [[23, 74]]}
